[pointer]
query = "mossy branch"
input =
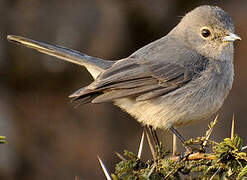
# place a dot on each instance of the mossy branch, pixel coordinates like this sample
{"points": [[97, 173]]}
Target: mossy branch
{"points": [[226, 160]]}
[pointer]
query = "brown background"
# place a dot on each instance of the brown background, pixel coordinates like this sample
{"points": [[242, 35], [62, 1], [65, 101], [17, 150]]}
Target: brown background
{"points": [[47, 137]]}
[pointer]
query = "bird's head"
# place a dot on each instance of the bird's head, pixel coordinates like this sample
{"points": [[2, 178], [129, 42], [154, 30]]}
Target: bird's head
{"points": [[210, 31]]}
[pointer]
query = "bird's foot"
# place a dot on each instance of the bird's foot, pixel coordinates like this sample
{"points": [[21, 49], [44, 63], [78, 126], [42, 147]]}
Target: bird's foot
{"points": [[189, 149]]}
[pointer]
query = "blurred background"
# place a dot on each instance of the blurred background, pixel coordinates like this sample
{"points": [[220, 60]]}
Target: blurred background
{"points": [[47, 137]]}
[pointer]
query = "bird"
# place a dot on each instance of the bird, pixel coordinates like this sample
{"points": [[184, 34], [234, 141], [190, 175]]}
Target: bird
{"points": [[181, 78]]}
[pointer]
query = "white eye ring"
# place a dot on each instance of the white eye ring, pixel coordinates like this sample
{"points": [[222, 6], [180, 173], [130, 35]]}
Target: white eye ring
{"points": [[205, 32]]}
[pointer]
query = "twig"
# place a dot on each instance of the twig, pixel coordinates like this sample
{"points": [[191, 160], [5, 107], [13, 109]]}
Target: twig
{"points": [[196, 156]]}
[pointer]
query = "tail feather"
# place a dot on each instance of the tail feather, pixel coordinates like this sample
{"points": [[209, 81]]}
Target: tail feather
{"points": [[94, 65], [83, 100]]}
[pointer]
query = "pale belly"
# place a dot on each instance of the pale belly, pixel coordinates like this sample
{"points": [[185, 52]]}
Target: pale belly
{"points": [[194, 102]]}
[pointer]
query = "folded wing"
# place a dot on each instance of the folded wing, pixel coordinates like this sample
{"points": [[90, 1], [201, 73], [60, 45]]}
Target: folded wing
{"points": [[137, 78]]}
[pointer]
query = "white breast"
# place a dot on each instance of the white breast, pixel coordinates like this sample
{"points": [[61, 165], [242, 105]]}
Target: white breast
{"points": [[193, 102]]}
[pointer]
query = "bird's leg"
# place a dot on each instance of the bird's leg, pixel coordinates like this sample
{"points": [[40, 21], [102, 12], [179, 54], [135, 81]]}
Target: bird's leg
{"points": [[155, 138], [182, 140], [174, 131]]}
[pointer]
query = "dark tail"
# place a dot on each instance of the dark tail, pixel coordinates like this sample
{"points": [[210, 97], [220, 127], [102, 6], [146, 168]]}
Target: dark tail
{"points": [[94, 65]]}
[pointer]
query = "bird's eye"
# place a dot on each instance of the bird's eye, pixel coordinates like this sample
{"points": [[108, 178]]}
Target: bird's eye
{"points": [[205, 33]]}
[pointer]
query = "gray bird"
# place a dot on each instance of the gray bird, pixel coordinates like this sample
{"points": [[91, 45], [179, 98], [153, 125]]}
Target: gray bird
{"points": [[183, 77]]}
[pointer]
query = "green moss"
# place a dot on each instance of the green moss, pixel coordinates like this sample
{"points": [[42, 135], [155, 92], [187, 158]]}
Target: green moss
{"points": [[228, 162], [3, 140]]}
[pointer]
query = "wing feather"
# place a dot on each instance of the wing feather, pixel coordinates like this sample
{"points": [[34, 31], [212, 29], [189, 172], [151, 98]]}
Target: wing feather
{"points": [[140, 79]]}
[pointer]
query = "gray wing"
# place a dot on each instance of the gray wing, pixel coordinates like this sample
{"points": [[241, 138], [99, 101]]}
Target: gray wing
{"points": [[140, 79]]}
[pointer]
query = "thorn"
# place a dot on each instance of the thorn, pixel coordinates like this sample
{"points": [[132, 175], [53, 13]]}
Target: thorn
{"points": [[175, 145], [171, 172], [243, 148], [108, 177], [120, 156], [151, 170], [150, 144], [209, 132], [233, 126], [212, 177], [140, 146]]}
